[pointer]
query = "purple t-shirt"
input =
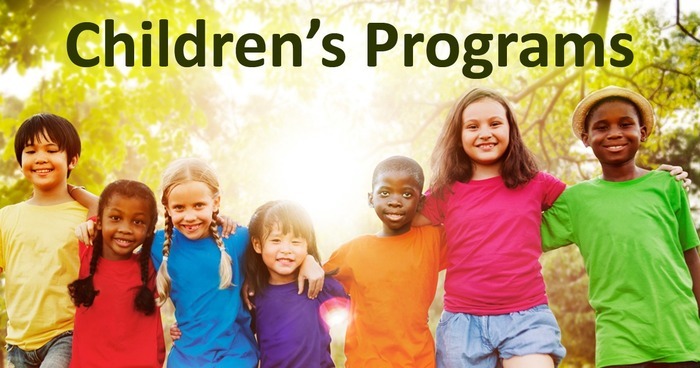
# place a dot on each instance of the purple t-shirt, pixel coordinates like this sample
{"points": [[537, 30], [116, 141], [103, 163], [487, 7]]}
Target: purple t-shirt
{"points": [[494, 243], [290, 329]]}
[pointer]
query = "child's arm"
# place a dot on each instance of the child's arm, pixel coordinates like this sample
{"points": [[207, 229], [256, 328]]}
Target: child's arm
{"points": [[420, 220], [312, 271], [85, 198], [692, 259], [228, 225], [85, 231]]}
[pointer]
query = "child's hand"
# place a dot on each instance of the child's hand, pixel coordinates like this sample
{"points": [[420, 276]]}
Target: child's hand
{"points": [[678, 173], [248, 293], [86, 232], [312, 271], [228, 226], [175, 332]]}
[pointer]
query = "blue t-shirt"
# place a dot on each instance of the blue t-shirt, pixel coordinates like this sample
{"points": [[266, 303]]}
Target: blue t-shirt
{"points": [[215, 324], [290, 327]]}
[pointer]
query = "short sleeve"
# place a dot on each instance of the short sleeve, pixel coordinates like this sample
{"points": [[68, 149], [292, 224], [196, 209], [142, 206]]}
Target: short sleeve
{"points": [[557, 229], [332, 289], [238, 243], [552, 187], [157, 248], [3, 234], [687, 234], [433, 208], [85, 254], [338, 261]]}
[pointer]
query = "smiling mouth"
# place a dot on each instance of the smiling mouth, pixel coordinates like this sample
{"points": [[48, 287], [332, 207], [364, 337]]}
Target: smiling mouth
{"points": [[122, 243], [486, 145], [394, 216], [42, 171], [191, 228], [615, 148]]}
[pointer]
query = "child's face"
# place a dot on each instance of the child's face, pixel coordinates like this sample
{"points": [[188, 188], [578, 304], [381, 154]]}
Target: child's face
{"points": [[395, 198], [282, 254], [614, 133], [44, 165], [485, 132], [191, 206], [124, 224]]}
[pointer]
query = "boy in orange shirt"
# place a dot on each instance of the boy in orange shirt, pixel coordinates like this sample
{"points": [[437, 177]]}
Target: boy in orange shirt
{"points": [[380, 271]]}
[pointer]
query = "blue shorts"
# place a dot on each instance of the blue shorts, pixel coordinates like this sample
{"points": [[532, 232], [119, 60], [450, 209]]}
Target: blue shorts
{"points": [[466, 340]]}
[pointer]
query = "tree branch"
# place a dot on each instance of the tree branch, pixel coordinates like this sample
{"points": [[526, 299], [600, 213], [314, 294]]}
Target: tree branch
{"points": [[678, 23]]}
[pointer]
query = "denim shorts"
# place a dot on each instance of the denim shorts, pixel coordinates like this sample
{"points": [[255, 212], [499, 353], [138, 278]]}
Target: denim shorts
{"points": [[54, 354], [466, 340]]}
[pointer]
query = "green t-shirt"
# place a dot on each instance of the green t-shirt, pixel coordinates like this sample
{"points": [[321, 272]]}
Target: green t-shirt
{"points": [[632, 236]]}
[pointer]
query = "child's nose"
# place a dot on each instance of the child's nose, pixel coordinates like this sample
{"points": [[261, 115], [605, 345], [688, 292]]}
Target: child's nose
{"points": [[485, 133], [395, 201]]}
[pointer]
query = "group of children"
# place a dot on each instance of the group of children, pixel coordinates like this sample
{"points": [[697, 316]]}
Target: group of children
{"points": [[488, 214]]}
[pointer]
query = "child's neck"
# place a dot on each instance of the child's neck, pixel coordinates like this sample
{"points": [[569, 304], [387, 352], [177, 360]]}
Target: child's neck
{"points": [[622, 173], [482, 172], [56, 195]]}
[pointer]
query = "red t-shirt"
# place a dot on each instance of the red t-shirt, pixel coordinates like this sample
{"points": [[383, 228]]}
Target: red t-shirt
{"points": [[112, 332], [493, 243]]}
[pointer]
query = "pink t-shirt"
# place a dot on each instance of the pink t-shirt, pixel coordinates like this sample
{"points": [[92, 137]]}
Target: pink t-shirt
{"points": [[494, 243]]}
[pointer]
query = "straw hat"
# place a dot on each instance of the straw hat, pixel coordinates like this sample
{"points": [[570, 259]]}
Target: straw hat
{"points": [[578, 120]]}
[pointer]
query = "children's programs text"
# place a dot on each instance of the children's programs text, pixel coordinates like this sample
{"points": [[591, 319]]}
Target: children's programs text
{"points": [[250, 49]]}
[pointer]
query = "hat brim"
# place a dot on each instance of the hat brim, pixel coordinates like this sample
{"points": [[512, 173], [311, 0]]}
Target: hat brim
{"points": [[578, 119]]}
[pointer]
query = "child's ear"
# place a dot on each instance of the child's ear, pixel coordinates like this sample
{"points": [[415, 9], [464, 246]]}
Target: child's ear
{"points": [[257, 247], [643, 133], [421, 202], [98, 224], [370, 200], [73, 161], [584, 139], [217, 200]]}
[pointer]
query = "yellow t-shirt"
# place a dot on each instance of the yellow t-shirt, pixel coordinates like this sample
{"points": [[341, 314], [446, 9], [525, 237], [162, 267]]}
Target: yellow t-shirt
{"points": [[391, 282], [39, 255]]}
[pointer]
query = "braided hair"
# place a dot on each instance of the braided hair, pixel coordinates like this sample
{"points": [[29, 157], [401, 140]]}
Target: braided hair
{"points": [[82, 291], [178, 172]]}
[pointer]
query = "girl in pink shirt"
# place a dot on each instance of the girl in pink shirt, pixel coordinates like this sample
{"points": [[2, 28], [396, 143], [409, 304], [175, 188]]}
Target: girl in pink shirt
{"points": [[489, 194]]}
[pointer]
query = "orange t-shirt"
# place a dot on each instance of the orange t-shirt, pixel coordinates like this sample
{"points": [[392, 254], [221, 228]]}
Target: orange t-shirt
{"points": [[391, 282]]}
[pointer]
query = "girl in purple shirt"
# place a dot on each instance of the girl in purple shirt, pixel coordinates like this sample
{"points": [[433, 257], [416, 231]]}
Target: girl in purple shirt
{"points": [[291, 329]]}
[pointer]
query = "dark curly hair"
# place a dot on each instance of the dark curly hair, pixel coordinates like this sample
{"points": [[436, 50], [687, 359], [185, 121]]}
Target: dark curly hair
{"points": [[82, 291]]}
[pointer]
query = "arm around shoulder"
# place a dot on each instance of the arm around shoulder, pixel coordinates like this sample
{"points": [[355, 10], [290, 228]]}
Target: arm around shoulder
{"points": [[85, 198]]}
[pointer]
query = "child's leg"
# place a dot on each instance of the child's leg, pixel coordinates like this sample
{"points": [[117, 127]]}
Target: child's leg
{"points": [[460, 342], [532, 360], [57, 352], [530, 338]]}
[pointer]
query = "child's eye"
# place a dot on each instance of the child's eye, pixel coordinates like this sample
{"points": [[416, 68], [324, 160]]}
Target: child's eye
{"points": [[496, 123], [470, 127], [29, 152], [408, 195], [114, 218], [139, 222], [384, 193]]}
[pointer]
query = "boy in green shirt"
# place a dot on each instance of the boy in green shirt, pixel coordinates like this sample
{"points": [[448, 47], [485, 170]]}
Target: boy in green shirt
{"points": [[637, 239]]}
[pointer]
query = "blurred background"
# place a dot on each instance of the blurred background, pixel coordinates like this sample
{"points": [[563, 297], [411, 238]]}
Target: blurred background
{"points": [[312, 133]]}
